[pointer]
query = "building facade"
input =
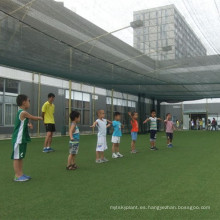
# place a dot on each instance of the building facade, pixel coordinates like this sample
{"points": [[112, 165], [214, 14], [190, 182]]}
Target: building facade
{"points": [[86, 99], [166, 34]]}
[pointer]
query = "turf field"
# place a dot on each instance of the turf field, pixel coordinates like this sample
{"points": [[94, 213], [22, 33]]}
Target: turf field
{"points": [[187, 175]]}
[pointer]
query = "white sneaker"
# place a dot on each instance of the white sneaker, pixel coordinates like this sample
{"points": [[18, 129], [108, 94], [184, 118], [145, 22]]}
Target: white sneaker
{"points": [[114, 155], [98, 161], [119, 155], [104, 160]]}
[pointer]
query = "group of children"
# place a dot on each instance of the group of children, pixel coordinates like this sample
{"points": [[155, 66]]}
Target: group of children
{"points": [[21, 136], [102, 124]]}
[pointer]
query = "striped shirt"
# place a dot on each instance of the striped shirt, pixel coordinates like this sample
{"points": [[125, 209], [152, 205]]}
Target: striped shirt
{"points": [[153, 123]]}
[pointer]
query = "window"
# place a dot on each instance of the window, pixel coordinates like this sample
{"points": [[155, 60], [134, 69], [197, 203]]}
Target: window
{"points": [[10, 113], [11, 86], [120, 105], [1, 84], [1, 113], [80, 102], [9, 90]]}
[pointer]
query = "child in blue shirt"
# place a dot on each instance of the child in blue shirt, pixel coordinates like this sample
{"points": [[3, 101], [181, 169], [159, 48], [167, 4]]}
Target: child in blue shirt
{"points": [[116, 136], [74, 140]]}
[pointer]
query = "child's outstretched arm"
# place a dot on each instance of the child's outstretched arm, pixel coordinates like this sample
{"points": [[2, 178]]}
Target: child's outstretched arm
{"points": [[108, 125], [160, 119], [147, 120], [94, 124], [71, 130], [110, 122], [31, 117], [129, 113], [25, 114]]}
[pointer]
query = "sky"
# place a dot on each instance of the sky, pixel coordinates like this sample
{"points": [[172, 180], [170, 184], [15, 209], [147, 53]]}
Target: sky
{"points": [[202, 15]]}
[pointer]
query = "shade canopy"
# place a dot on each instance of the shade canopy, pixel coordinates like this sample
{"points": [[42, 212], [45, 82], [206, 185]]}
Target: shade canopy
{"points": [[43, 36]]}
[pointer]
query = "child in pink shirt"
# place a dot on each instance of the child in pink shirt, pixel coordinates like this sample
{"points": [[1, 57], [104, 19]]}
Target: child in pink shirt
{"points": [[169, 130]]}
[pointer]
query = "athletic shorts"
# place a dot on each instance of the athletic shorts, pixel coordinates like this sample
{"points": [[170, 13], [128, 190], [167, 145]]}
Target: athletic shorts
{"points": [[19, 151], [169, 136], [101, 144], [73, 147], [50, 127], [153, 135], [134, 136], [116, 140]]}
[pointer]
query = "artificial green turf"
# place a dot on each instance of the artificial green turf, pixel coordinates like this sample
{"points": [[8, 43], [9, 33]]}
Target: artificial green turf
{"points": [[186, 175]]}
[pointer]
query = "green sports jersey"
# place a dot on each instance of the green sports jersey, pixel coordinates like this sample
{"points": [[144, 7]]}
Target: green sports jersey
{"points": [[20, 133]]}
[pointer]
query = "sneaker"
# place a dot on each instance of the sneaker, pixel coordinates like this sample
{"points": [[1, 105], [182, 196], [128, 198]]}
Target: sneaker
{"points": [[133, 152], [21, 179], [104, 160], [114, 156], [98, 161], [119, 155], [170, 146], [45, 150], [27, 176], [152, 148], [50, 149]]}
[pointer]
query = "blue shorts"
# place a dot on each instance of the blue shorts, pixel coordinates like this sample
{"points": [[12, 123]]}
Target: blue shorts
{"points": [[134, 136]]}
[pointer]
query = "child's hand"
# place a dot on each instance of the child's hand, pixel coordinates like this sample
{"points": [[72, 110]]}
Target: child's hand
{"points": [[92, 126], [40, 118], [129, 113], [145, 121], [30, 125]]}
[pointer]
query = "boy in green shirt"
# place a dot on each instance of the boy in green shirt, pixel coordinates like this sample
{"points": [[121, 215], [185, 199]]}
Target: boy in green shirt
{"points": [[21, 137]]}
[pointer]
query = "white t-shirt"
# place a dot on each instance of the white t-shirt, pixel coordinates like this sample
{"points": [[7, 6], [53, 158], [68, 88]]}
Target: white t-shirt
{"points": [[101, 127]]}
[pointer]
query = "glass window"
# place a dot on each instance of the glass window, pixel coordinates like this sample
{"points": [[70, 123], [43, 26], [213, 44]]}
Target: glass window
{"points": [[78, 96], [77, 104], [67, 116], [86, 97], [8, 113], [86, 105], [1, 84], [11, 86], [1, 114], [86, 117], [10, 99], [14, 112]]}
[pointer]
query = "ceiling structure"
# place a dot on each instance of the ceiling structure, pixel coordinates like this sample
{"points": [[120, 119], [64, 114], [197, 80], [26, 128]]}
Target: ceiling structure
{"points": [[43, 36]]}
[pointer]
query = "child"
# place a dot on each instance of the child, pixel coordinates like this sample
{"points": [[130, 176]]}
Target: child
{"points": [[116, 135], [153, 129], [169, 130], [74, 140], [101, 123], [134, 131], [21, 137]]}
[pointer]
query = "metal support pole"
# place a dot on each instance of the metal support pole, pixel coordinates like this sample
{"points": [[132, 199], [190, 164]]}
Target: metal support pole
{"points": [[38, 103], [207, 113], [112, 112], [93, 109], [70, 91]]}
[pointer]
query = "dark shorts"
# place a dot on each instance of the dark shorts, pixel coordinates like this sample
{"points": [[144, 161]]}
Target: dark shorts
{"points": [[169, 136], [50, 127], [153, 134]]}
